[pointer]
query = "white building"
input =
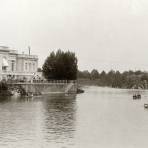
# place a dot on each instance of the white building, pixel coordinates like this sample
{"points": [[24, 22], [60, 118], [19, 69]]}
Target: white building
{"points": [[17, 66]]}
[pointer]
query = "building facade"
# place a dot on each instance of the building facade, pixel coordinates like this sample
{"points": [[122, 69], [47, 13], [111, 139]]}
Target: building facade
{"points": [[17, 66]]}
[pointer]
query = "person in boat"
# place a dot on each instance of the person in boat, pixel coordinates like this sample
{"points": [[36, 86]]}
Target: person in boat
{"points": [[136, 96]]}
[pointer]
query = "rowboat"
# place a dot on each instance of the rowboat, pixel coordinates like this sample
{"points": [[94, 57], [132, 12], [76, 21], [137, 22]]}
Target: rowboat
{"points": [[145, 105]]}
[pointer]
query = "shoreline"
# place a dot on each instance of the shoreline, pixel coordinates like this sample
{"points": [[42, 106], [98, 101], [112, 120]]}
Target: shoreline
{"points": [[89, 82]]}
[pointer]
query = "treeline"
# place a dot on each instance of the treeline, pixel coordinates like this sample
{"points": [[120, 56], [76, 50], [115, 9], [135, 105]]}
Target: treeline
{"points": [[116, 79]]}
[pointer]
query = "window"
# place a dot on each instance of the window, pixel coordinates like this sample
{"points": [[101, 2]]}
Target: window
{"points": [[12, 65], [29, 67], [4, 64], [26, 67], [33, 66], [4, 68]]}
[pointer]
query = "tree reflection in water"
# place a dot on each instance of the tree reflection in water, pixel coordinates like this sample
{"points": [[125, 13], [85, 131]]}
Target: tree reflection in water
{"points": [[60, 118]]}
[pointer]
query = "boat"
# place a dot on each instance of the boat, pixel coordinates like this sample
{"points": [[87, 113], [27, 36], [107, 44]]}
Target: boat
{"points": [[79, 91], [145, 105], [136, 96]]}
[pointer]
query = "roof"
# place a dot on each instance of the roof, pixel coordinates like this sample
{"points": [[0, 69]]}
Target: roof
{"points": [[27, 56], [7, 49], [12, 51]]}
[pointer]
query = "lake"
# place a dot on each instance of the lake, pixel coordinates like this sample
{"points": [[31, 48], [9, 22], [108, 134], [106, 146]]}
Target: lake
{"points": [[98, 118]]}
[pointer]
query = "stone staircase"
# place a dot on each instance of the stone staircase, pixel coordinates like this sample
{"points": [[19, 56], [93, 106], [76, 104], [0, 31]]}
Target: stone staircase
{"points": [[69, 87]]}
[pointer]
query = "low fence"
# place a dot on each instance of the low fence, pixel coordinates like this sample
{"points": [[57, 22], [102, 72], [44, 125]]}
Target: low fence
{"points": [[43, 81]]}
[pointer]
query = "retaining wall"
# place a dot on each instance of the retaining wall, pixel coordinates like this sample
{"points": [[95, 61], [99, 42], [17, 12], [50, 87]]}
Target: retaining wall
{"points": [[46, 88]]}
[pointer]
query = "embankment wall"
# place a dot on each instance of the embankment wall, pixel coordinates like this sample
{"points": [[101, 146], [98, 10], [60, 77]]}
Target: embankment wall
{"points": [[46, 88]]}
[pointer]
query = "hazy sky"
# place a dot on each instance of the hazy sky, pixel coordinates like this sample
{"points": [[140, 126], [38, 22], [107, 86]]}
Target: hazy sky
{"points": [[105, 34]]}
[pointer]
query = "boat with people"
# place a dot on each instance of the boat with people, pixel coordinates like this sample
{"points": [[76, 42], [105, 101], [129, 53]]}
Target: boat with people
{"points": [[136, 96]]}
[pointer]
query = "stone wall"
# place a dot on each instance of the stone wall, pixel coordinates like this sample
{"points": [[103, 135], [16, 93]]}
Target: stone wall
{"points": [[46, 88]]}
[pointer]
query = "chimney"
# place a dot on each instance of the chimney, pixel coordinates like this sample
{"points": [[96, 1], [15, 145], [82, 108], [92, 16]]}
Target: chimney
{"points": [[29, 49]]}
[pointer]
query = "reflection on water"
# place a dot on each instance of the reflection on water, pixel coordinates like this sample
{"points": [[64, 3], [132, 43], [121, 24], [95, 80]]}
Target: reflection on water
{"points": [[37, 122], [60, 118], [101, 117]]}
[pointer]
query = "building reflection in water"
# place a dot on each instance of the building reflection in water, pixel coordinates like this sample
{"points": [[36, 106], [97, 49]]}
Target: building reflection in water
{"points": [[39, 121]]}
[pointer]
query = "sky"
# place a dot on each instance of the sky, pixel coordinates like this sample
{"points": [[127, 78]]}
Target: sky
{"points": [[104, 34]]}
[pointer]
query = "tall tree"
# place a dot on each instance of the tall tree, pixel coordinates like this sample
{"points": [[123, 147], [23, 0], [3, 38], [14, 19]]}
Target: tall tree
{"points": [[94, 74], [60, 66]]}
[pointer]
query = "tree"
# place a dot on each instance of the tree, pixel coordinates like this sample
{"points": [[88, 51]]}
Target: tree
{"points": [[80, 74], [60, 66], [138, 72], [39, 70], [86, 74], [117, 82], [144, 77], [103, 75], [94, 74], [110, 78]]}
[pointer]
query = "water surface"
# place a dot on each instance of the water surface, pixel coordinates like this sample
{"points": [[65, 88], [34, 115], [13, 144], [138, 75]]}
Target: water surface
{"points": [[99, 118]]}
